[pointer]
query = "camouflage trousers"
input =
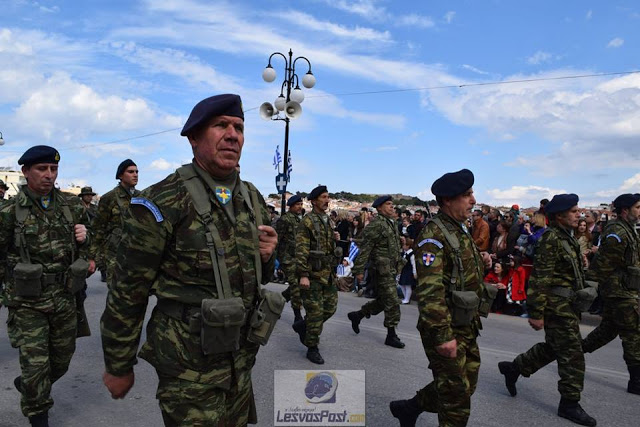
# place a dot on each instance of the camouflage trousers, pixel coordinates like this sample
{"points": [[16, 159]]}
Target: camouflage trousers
{"points": [[562, 343], [46, 343], [619, 317], [386, 300], [454, 380], [294, 288], [320, 303]]}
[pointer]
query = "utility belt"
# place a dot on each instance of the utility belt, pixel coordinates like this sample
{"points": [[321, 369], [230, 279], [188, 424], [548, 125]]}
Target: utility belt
{"points": [[631, 278], [30, 279], [319, 260], [581, 299], [220, 322], [385, 266]]}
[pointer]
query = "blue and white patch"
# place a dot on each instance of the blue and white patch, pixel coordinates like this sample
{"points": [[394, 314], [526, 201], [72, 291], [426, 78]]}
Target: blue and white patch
{"points": [[149, 205], [428, 258], [614, 235], [432, 241]]}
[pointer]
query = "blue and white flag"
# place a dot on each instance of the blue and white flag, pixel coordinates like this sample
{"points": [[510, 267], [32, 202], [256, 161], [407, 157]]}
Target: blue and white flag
{"points": [[353, 251], [289, 167], [277, 159]]}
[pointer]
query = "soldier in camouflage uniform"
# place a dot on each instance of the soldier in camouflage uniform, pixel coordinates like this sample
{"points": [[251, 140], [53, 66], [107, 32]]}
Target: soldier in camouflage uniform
{"points": [[448, 278], [381, 246], [316, 262], [616, 267], [557, 276], [108, 223], [286, 226], [86, 196], [193, 258], [42, 231], [3, 190]]}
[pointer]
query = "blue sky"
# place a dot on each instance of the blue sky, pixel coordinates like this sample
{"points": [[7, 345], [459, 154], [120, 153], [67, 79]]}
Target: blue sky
{"points": [[81, 75]]}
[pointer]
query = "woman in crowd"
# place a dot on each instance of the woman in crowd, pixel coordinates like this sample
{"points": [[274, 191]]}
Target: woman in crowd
{"points": [[356, 229], [584, 237], [500, 241], [499, 278], [408, 275]]}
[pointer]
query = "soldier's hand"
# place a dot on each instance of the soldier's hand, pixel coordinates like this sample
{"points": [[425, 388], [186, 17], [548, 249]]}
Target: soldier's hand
{"points": [[536, 324], [304, 282], [448, 349], [336, 235], [92, 267], [268, 241], [118, 386], [360, 277], [81, 233]]}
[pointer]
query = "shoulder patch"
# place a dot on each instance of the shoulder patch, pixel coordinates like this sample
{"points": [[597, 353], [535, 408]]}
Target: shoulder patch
{"points": [[614, 235], [432, 241], [428, 258], [149, 205]]}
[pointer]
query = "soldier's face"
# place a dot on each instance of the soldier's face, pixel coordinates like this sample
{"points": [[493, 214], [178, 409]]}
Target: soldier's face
{"points": [[460, 207], [218, 147], [130, 176], [87, 198], [321, 203], [296, 208], [41, 177], [386, 209], [570, 218], [634, 213]]}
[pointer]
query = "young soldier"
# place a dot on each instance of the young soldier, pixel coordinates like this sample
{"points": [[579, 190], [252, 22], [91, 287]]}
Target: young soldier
{"points": [[287, 226]]}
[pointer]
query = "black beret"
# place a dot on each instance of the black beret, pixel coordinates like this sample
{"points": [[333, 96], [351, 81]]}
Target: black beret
{"points": [[561, 203], [380, 200], [625, 200], [317, 191], [453, 183], [219, 105], [123, 167], [293, 200], [39, 154]]}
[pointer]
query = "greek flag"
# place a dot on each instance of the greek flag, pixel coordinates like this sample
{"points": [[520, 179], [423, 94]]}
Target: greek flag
{"points": [[277, 159], [353, 251], [289, 167]]}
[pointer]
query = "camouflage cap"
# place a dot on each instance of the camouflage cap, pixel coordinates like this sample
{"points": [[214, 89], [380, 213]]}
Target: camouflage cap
{"points": [[39, 154], [218, 105], [86, 191]]}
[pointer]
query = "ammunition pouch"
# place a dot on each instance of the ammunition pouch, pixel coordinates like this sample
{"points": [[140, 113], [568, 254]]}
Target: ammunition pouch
{"points": [[464, 307], [316, 260], [631, 278], [383, 266], [77, 275], [28, 279], [489, 293], [222, 320], [265, 316], [586, 296], [337, 252]]}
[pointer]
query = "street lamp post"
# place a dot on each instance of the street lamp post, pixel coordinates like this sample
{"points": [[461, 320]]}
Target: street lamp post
{"points": [[1, 140], [288, 101]]}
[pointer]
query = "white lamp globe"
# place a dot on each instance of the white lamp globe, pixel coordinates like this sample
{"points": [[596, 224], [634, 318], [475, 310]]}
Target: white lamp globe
{"points": [[309, 80], [297, 95], [280, 102], [268, 74]]}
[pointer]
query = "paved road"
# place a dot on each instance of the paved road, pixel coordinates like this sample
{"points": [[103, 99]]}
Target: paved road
{"points": [[81, 400]]}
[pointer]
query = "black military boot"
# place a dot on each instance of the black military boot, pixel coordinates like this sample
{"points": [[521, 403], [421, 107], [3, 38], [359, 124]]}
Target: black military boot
{"points": [[297, 316], [511, 373], [571, 410], [17, 383], [355, 317], [406, 411], [314, 355], [634, 380], [301, 329], [392, 339], [40, 420], [286, 294]]}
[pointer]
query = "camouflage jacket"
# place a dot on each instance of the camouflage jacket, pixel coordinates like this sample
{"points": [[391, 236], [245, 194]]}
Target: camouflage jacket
{"points": [[164, 247], [309, 239], [553, 266], [287, 226], [91, 211], [619, 249], [107, 224], [435, 261], [381, 245], [50, 241]]}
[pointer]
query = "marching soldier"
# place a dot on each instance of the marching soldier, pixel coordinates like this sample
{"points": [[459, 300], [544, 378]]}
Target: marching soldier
{"points": [[108, 223], [199, 239], [286, 226], [315, 263], [381, 247], [43, 237], [86, 196], [450, 273], [556, 286]]}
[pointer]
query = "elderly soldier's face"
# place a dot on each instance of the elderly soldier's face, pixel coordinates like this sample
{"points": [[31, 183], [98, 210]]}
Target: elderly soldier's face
{"points": [[386, 209], [321, 203], [41, 177], [569, 219], [218, 146], [460, 207]]}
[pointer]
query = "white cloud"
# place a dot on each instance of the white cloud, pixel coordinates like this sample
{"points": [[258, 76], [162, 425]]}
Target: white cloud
{"points": [[358, 33], [414, 20], [474, 69], [539, 57], [365, 8], [522, 195], [630, 185], [448, 17], [163, 165], [617, 42]]}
